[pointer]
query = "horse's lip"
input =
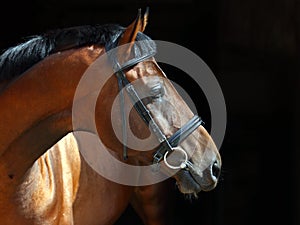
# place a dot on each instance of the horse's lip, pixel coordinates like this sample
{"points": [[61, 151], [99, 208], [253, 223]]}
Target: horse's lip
{"points": [[187, 181], [201, 181]]}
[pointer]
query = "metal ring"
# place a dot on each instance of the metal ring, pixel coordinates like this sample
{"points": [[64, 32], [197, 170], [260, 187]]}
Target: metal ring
{"points": [[182, 165]]}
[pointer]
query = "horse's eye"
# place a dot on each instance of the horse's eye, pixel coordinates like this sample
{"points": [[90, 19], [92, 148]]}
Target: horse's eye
{"points": [[157, 91]]}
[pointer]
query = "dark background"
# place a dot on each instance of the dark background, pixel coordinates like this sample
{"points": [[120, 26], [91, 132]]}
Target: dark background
{"points": [[253, 48]]}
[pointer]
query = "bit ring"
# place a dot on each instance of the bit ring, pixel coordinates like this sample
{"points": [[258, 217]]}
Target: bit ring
{"points": [[182, 165]]}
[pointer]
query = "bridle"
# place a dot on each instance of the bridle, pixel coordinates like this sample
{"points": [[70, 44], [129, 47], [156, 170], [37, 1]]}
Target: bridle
{"points": [[167, 145]]}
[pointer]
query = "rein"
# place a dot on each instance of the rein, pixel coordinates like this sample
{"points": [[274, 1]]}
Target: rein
{"points": [[167, 145]]}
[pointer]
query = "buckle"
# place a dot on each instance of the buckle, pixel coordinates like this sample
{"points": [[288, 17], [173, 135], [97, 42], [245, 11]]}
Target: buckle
{"points": [[158, 156]]}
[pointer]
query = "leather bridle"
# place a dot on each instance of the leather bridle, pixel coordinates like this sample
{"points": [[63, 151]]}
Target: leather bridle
{"points": [[167, 145]]}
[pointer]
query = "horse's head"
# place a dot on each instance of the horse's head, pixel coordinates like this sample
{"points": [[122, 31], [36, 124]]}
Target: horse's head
{"points": [[189, 155]]}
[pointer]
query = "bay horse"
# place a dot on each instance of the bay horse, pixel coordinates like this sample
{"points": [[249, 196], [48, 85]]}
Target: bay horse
{"points": [[44, 177]]}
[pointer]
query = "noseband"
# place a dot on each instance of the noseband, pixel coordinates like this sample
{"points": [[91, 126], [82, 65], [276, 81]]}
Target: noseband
{"points": [[167, 145]]}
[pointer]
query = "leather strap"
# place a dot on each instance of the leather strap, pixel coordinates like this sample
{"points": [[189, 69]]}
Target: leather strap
{"points": [[166, 145]]}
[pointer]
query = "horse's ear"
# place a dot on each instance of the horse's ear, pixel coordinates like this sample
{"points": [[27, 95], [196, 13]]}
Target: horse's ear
{"points": [[136, 26]]}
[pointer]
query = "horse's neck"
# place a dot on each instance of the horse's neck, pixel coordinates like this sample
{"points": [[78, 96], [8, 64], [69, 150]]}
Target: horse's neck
{"points": [[36, 108]]}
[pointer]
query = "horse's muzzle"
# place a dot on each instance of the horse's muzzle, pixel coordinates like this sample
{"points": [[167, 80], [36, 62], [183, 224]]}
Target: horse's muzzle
{"points": [[209, 177]]}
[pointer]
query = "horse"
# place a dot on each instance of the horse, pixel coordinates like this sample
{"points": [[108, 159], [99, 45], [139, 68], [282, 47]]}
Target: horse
{"points": [[46, 178]]}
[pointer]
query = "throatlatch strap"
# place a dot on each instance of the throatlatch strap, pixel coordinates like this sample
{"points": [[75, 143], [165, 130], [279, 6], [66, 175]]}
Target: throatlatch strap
{"points": [[123, 115]]}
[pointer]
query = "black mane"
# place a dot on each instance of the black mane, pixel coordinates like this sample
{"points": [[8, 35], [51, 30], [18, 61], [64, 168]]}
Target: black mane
{"points": [[16, 60]]}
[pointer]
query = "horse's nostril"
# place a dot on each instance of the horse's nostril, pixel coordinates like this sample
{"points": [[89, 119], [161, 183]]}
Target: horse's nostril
{"points": [[216, 170]]}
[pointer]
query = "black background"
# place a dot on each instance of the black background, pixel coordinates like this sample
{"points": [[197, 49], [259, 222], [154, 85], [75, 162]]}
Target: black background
{"points": [[252, 47]]}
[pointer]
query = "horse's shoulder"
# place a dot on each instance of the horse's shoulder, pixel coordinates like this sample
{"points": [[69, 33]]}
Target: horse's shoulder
{"points": [[50, 186]]}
